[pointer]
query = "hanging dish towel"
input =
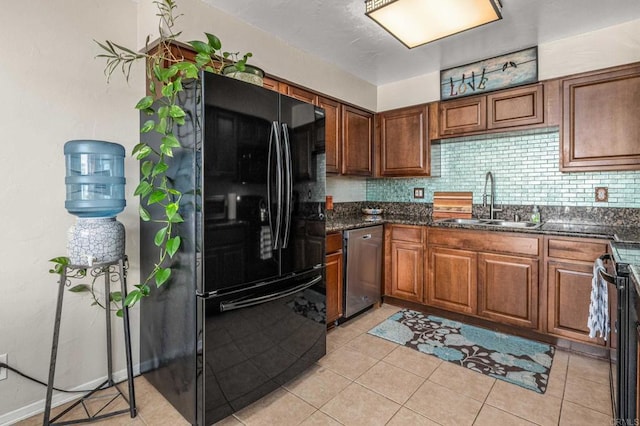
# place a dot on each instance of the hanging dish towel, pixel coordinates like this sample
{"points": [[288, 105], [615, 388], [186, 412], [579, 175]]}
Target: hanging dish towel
{"points": [[598, 321], [265, 243]]}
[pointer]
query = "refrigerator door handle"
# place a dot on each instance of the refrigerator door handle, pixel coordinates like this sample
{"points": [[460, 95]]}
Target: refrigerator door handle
{"points": [[288, 185], [243, 303], [275, 233]]}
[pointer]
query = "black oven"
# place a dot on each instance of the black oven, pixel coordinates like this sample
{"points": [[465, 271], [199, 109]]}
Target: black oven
{"points": [[624, 361]]}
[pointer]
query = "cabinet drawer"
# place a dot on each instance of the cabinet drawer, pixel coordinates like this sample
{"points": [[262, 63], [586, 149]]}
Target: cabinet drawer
{"points": [[334, 242], [406, 233], [582, 250]]}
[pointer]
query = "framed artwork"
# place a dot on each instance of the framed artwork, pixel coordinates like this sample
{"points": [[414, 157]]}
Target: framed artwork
{"points": [[500, 72]]}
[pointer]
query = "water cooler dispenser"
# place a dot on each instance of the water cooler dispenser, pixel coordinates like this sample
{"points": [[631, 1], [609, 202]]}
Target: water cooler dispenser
{"points": [[95, 194]]}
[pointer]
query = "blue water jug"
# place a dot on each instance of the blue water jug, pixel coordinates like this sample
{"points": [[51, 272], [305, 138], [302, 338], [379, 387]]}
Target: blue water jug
{"points": [[95, 178]]}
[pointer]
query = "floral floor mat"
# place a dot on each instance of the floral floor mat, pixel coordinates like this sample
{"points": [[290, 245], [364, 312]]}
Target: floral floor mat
{"points": [[513, 359]]}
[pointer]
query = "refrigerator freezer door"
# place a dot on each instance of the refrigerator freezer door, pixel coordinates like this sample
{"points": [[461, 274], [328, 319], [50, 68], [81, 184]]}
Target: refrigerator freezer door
{"points": [[257, 343]]}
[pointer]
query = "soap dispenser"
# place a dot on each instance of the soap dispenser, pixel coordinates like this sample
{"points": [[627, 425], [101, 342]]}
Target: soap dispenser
{"points": [[535, 215]]}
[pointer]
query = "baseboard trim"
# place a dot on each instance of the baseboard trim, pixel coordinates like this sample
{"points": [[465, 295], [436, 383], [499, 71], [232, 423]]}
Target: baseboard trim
{"points": [[60, 398]]}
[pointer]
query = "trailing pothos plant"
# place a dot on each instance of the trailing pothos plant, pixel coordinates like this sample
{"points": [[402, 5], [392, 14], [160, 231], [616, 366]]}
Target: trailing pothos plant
{"points": [[166, 69]]}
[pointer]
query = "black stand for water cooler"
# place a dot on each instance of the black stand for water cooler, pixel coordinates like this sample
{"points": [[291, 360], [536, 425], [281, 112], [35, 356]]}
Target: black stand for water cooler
{"points": [[112, 271]]}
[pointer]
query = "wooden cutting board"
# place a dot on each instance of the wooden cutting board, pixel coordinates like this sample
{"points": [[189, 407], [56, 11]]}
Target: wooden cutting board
{"points": [[452, 204]]}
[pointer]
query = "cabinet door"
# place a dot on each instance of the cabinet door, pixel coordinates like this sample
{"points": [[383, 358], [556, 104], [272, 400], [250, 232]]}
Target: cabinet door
{"points": [[272, 84], [508, 289], [357, 141], [453, 279], [333, 134], [464, 115], [517, 107], [404, 142], [569, 295], [600, 125], [334, 285], [407, 270], [302, 95]]}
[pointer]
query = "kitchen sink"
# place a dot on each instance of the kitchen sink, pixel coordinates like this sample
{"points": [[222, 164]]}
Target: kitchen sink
{"points": [[511, 224], [463, 221], [494, 222]]}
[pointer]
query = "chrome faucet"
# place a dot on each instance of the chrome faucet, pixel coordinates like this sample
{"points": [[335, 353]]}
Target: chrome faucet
{"points": [[492, 209]]}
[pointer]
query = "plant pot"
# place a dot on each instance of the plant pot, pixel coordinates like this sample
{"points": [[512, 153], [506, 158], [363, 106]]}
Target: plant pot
{"points": [[250, 74]]}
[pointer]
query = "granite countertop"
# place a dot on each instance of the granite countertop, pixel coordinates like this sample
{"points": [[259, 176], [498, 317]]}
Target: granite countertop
{"points": [[617, 233]]}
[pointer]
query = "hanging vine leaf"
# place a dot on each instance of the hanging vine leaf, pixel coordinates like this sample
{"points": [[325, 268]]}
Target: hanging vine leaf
{"points": [[173, 244], [160, 236], [165, 72], [162, 276], [144, 214]]}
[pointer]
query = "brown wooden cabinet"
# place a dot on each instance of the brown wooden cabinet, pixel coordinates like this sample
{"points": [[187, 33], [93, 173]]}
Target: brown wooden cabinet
{"points": [[453, 279], [357, 141], [515, 107], [500, 110], [333, 134], [301, 94], [489, 274], [404, 141], [600, 125], [405, 274], [508, 289], [465, 115], [569, 267], [334, 277]]}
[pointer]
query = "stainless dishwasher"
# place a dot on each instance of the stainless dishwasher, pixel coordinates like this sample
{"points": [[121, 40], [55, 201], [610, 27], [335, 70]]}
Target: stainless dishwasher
{"points": [[363, 268]]}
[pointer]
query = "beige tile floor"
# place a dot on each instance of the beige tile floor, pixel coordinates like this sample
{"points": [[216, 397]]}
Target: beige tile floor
{"points": [[364, 380]]}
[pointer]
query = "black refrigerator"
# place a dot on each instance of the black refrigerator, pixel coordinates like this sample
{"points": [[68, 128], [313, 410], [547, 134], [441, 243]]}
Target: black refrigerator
{"points": [[244, 310]]}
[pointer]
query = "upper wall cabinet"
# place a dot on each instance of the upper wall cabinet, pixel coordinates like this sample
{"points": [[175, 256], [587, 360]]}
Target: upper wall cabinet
{"points": [[504, 109], [333, 135], [357, 142], [516, 107], [349, 131], [601, 120], [460, 116], [404, 141]]}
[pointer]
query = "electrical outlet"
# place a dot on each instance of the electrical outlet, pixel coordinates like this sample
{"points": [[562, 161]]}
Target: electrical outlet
{"points": [[3, 371], [602, 194], [418, 192]]}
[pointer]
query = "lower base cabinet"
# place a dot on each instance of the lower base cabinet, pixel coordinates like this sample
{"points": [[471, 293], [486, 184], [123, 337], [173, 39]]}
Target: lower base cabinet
{"points": [[496, 275], [569, 296], [508, 289], [406, 245], [569, 274], [453, 279], [334, 280]]}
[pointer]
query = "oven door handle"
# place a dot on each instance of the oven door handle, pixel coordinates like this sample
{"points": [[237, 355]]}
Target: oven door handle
{"points": [[604, 275]]}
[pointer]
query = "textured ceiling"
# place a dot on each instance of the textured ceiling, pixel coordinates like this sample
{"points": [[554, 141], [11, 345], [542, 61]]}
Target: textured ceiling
{"points": [[338, 32]]}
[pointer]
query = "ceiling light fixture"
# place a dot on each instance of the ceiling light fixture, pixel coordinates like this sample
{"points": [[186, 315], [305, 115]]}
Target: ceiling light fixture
{"points": [[416, 22]]}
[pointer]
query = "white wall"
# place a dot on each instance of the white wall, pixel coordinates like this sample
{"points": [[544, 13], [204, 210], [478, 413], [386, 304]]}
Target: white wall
{"points": [[273, 55], [616, 45], [53, 90]]}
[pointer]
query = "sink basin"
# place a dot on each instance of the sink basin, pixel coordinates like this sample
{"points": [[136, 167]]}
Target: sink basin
{"points": [[511, 224], [463, 221], [494, 222]]}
